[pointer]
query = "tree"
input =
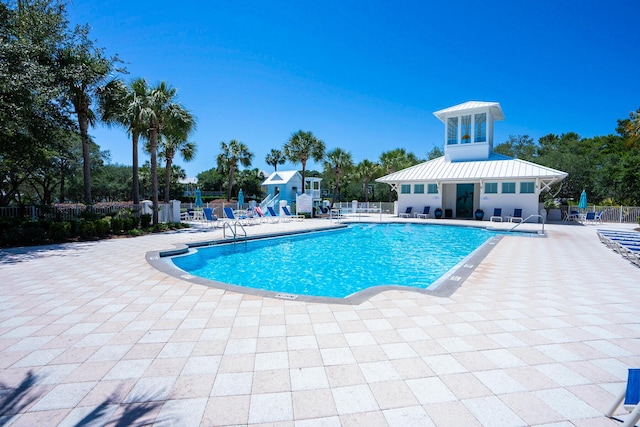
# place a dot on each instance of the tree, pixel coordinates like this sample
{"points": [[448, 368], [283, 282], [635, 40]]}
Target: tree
{"points": [[395, 160], [31, 114], [630, 129], [169, 147], [366, 170], [123, 105], [211, 180], [233, 153], [301, 147], [338, 162], [84, 69], [275, 158], [161, 110], [435, 153], [250, 180], [520, 147]]}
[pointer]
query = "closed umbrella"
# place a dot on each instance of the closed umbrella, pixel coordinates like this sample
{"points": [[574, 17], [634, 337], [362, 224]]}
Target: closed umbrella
{"points": [[240, 199], [583, 200], [198, 198]]}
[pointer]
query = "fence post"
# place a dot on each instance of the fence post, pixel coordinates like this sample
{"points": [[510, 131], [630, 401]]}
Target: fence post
{"points": [[620, 220]]}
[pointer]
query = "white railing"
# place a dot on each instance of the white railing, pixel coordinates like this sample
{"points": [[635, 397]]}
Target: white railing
{"points": [[613, 214]]}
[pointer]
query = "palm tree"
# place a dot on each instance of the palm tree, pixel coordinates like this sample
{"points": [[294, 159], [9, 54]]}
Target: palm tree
{"points": [[395, 160], [233, 153], [366, 170], [275, 158], [160, 110], [122, 105], [301, 147], [632, 129], [170, 145], [338, 162], [84, 69]]}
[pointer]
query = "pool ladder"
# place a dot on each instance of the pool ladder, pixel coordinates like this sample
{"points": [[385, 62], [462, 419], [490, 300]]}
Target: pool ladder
{"points": [[525, 220], [234, 230]]}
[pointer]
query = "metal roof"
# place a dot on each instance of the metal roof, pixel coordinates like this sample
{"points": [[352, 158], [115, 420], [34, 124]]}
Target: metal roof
{"points": [[281, 177], [494, 108], [497, 167]]}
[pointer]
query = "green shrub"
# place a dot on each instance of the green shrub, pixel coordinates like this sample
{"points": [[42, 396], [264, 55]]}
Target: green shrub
{"points": [[161, 227], [145, 220], [127, 224], [60, 231], [135, 221], [135, 232], [117, 225], [87, 229], [103, 227]]}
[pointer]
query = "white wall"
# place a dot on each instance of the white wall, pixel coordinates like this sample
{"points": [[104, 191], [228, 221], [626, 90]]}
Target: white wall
{"points": [[446, 199]]}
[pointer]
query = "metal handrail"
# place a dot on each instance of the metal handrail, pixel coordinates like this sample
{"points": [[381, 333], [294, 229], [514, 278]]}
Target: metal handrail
{"points": [[234, 230], [526, 219]]}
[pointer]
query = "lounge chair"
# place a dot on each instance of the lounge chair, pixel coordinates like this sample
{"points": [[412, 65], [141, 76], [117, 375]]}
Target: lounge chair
{"points": [[425, 212], [590, 217], [209, 217], [572, 216], [290, 215], [497, 215], [406, 213], [244, 220], [272, 214], [517, 216], [261, 215], [631, 398]]}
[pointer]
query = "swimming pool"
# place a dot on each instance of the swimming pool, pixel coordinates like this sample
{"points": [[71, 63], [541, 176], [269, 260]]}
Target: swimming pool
{"points": [[338, 263]]}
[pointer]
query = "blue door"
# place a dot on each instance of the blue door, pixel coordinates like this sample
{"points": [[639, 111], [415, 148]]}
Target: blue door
{"points": [[464, 201]]}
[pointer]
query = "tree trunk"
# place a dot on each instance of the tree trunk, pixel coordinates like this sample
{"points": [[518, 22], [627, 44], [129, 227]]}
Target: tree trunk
{"points": [[153, 148], [366, 191], [136, 181], [304, 168], [167, 179], [232, 172], [83, 122]]}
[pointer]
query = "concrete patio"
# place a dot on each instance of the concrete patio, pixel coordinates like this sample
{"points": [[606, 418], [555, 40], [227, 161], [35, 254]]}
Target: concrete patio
{"points": [[541, 333]]}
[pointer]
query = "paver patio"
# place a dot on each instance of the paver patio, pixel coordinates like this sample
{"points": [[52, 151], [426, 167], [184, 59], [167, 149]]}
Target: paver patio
{"points": [[541, 333]]}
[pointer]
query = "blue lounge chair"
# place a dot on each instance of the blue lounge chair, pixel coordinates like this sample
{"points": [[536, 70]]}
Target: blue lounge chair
{"points": [[406, 213], [209, 217], [425, 212], [244, 220], [517, 216], [261, 216], [631, 398], [272, 214], [290, 215], [497, 215]]}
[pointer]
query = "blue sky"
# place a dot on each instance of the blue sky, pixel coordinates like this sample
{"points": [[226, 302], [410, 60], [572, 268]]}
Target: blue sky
{"points": [[366, 76]]}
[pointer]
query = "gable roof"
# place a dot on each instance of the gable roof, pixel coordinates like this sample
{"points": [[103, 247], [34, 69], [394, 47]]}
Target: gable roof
{"points": [[494, 108], [496, 167], [282, 177]]}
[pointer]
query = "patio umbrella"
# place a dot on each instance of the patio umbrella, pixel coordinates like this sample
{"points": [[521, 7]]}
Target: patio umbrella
{"points": [[240, 198], [583, 200], [198, 198]]}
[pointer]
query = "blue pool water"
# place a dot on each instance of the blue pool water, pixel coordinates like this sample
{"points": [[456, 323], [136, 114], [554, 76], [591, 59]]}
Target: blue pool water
{"points": [[338, 263]]}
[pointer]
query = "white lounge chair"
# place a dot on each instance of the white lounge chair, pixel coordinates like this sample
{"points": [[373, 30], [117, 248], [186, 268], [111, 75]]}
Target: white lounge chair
{"points": [[406, 213], [497, 215], [631, 398], [290, 215], [517, 216], [425, 212]]}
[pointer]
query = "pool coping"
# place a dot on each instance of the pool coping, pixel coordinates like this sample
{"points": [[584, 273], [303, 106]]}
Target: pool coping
{"points": [[444, 287]]}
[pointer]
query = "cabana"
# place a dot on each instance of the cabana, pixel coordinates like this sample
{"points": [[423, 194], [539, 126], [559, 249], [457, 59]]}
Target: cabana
{"points": [[470, 175]]}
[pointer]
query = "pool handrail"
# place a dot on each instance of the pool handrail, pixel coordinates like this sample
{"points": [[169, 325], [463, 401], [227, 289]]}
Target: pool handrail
{"points": [[526, 219]]}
